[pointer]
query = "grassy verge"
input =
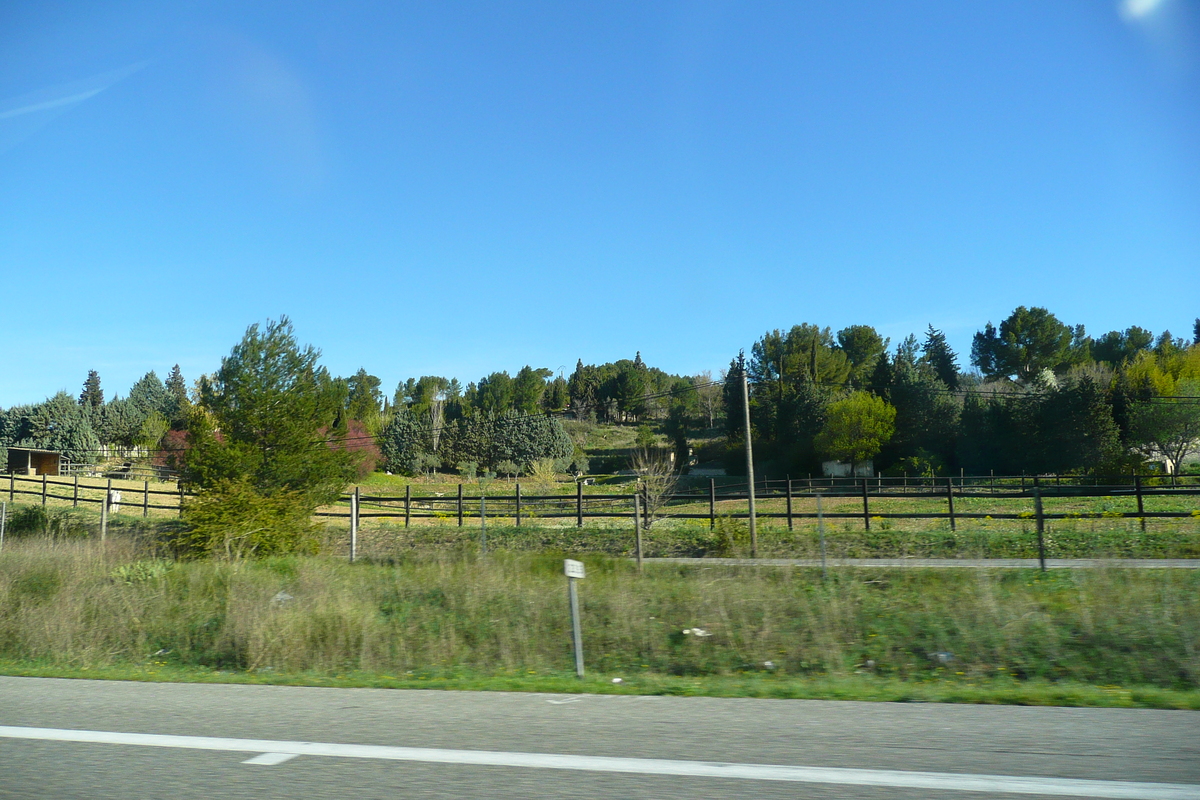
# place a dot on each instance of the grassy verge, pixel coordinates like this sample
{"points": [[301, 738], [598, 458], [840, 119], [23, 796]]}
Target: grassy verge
{"points": [[445, 618], [857, 687]]}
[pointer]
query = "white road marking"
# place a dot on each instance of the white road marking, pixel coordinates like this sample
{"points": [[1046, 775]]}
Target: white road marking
{"points": [[565, 700], [270, 759], [945, 781]]}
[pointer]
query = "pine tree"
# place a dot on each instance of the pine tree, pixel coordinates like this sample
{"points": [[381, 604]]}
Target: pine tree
{"points": [[92, 395], [937, 353], [177, 402]]}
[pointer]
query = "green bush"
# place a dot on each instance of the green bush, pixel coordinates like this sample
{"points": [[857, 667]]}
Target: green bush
{"points": [[40, 521], [232, 520]]}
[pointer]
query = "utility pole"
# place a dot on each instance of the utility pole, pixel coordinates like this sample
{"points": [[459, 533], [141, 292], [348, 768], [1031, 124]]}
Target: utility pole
{"points": [[749, 466]]}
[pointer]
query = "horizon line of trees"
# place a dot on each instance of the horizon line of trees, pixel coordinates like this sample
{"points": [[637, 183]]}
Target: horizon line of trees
{"points": [[1043, 397]]}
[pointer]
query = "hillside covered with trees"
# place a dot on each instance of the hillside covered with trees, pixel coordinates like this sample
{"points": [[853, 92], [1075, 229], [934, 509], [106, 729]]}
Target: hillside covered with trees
{"points": [[1037, 396]]}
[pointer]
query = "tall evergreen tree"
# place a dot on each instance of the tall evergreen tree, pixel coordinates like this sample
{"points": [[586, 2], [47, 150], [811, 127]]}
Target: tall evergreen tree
{"points": [[178, 402], [937, 353], [275, 410], [92, 395]]}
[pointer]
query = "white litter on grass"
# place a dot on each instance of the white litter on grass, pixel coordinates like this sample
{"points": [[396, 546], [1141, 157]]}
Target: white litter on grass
{"points": [[617, 680]]}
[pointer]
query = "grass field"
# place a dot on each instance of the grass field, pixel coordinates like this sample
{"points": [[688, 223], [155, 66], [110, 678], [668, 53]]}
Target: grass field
{"points": [[446, 617]]}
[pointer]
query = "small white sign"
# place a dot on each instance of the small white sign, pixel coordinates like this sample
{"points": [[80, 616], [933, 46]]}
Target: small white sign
{"points": [[114, 501], [573, 568]]}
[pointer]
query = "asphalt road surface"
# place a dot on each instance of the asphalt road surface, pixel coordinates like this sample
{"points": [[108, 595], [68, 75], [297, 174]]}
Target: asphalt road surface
{"points": [[67, 739]]}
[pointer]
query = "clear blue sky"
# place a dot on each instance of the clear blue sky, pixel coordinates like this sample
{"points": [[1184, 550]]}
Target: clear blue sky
{"points": [[453, 188]]}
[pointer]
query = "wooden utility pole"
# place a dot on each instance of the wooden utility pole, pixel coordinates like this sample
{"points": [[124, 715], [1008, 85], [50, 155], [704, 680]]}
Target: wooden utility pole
{"points": [[749, 466]]}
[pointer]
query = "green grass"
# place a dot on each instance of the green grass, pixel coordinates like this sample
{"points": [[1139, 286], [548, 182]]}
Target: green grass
{"points": [[857, 687], [445, 618]]}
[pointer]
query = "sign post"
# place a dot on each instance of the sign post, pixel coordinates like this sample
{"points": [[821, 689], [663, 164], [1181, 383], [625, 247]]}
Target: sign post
{"points": [[574, 571]]}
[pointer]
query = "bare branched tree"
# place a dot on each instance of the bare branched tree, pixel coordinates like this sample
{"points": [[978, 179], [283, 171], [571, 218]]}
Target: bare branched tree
{"points": [[657, 479]]}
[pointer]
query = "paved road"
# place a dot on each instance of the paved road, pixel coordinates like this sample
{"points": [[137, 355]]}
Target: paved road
{"points": [[67, 739], [943, 563]]}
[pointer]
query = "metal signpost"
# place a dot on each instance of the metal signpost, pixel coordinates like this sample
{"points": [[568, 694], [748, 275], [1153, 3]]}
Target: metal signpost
{"points": [[574, 571]]}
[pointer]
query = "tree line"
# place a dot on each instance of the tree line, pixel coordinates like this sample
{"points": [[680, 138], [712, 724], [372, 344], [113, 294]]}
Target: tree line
{"points": [[1043, 397], [1039, 396]]}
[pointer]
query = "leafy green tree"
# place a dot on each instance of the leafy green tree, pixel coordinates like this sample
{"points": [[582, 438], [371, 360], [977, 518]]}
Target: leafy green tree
{"points": [[407, 443], [556, 396], [937, 354], [364, 400], [1074, 430], [153, 429], [804, 353], [1117, 347], [1029, 340], [494, 393], [118, 423], [631, 386], [149, 394], [92, 395], [527, 439], [927, 415], [1168, 428], [267, 417], [856, 427], [233, 520], [528, 387], [583, 387], [863, 345], [731, 393]]}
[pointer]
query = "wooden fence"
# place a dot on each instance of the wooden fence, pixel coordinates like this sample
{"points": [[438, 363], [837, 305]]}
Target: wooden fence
{"points": [[780, 500]]}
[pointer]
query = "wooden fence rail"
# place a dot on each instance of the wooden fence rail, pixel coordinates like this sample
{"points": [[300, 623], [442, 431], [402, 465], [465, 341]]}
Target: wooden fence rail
{"points": [[701, 503]]}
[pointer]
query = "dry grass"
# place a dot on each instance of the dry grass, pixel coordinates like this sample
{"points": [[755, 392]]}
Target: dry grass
{"points": [[78, 604]]}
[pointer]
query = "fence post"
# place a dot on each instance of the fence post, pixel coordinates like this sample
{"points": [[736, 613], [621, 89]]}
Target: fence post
{"points": [[104, 515], [950, 498], [354, 524], [518, 504], [12, 486], [579, 504], [1041, 525], [460, 506], [866, 507], [43, 490], [789, 503], [1137, 488], [821, 533], [145, 499], [75, 497], [407, 503], [637, 529], [712, 504], [181, 499]]}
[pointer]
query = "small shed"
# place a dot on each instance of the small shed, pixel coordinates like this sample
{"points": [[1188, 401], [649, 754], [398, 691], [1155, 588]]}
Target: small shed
{"points": [[31, 461]]}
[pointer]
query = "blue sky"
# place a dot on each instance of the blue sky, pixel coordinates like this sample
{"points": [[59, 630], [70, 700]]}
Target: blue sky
{"points": [[454, 188]]}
